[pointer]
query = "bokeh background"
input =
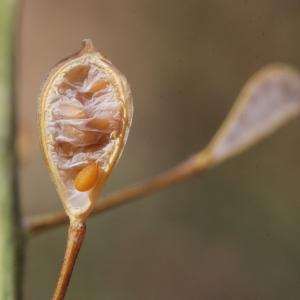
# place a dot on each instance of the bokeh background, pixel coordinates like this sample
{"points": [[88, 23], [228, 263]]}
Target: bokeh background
{"points": [[233, 233]]}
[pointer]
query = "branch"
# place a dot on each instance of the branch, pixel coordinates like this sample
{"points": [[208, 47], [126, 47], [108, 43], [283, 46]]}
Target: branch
{"points": [[268, 100], [184, 170]]}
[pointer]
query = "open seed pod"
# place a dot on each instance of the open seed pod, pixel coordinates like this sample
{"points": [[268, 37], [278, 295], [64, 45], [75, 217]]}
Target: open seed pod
{"points": [[268, 100], [85, 113]]}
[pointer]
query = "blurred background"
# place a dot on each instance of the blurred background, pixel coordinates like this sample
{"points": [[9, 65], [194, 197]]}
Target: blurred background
{"points": [[233, 233]]}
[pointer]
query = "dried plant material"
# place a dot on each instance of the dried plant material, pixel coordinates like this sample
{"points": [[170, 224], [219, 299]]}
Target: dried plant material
{"points": [[85, 113], [269, 99]]}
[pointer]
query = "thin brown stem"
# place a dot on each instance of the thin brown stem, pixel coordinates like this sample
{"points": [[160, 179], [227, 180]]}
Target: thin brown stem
{"points": [[75, 238], [184, 170]]}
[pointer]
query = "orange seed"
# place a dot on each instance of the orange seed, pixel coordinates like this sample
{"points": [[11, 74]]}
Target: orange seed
{"points": [[87, 177], [71, 111], [100, 123], [78, 74], [98, 86]]}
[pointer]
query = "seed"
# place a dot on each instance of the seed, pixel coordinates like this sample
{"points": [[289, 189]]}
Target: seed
{"points": [[99, 123], [77, 137], [66, 149], [64, 87], [70, 111], [98, 86], [78, 74], [87, 177]]}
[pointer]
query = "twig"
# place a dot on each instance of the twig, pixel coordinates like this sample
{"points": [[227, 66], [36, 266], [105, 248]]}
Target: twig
{"points": [[76, 235], [268, 100], [188, 168]]}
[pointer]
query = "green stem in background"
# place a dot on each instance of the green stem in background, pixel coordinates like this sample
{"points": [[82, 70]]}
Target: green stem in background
{"points": [[10, 232]]}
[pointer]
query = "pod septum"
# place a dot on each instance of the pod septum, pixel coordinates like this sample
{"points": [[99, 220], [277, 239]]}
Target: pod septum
{"points": [[85, 113]]}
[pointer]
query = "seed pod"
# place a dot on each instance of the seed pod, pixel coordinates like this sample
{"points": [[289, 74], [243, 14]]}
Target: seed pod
{"points": [[268, 100], [85, 111]]}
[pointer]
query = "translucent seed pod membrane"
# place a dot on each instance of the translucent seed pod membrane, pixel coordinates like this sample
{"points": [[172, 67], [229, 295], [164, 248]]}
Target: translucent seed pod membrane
{"points": [[85, 114]]}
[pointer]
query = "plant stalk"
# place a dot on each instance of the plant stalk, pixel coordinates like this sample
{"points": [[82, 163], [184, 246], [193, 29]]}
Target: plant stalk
{"points": [[10, 229], [76, 235]]}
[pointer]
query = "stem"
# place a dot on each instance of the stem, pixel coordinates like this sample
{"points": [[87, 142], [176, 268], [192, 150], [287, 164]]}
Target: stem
{"points": [[75, 238], [10, 229], [194, 165]]}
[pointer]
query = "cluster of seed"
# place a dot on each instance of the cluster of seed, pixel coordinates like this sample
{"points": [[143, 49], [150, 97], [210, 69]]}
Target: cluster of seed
{"points": [[86, 117]]}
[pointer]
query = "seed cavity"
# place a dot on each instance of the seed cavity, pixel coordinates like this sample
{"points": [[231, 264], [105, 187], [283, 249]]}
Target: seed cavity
{"points": [[86, 119]]}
